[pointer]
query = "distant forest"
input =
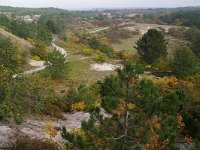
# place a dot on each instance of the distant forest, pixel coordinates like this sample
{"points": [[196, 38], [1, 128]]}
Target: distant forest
{"points": [[190, 18]]}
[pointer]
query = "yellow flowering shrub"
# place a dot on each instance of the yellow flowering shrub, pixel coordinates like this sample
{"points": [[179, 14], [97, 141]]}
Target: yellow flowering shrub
{"points": [[169, 82], [131, 106], [127, 55], [97, 103], [78, 132], [74, 39], [87, 51], [155, 122], [79, 106], [37, 58]]}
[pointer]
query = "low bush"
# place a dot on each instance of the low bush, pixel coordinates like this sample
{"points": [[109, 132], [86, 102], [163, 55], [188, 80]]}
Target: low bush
{"points": [[35, 57], [125, 55], [87, 51], [115, 34], [41, 53], [185, 63], [162, 64], [101, 57], [83, 98]]}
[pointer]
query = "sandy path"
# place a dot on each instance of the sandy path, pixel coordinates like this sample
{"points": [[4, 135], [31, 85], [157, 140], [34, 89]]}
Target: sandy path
{"points": [[40, 64]]}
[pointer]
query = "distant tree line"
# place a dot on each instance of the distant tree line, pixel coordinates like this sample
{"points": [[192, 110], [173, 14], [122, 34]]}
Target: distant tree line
{"points": [[189, 18], [31, 11], [31, 30]]}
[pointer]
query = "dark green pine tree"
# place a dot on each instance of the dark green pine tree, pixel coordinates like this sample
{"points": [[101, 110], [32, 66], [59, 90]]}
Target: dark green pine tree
{"points": [[139, 113], [151, 46], [56, 64]]}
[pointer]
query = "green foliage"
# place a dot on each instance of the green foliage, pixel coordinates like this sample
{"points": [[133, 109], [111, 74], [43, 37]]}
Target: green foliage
{"points": [[9, 109], [27, 95], [51, 23], [19, 11], [152, 121], [9, 57], [109, 103], [188, 18], [194, 36], [11, 63], [87, 94], [152, 46], [162, 64], [191, 116], [56, 64], [43, 34], [41, 30], [150, 102], [96, 44], [112, 87], [23, 29], [185, 63], [39, 50], [101, 57]]}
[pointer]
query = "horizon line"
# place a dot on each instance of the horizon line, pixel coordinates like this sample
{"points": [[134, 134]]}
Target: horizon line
{"points": [[100, 8]]}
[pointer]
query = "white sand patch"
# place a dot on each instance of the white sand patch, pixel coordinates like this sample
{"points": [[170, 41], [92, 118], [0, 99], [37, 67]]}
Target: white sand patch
{"points": [[142, 30], [104, 67], [167, 29], [83, 58], [35, 63], [41, 64], [35, 70], [58, 48], [6, 134]]}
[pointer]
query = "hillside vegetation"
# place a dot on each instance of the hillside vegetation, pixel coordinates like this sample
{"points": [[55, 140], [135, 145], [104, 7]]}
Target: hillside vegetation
{"points": [[22, 44], [119, 85]]}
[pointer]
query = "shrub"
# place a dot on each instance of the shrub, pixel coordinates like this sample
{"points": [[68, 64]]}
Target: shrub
{"points": [[126, 55], [38, 52], [178, 32], [115, 34], [87, 51], [101, 57], [79, 106], [9, 109], [96, 44], [185, 63], [106, 50], [162, 64], [35, 57], [86, 96], [39, 49], [56, 65]]}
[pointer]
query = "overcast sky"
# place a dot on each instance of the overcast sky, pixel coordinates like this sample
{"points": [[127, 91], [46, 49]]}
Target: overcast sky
{"points": [[72, 4]]}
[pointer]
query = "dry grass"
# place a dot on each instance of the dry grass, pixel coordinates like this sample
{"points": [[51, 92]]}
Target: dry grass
{"points": [[79, 69], [126, 44]]}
